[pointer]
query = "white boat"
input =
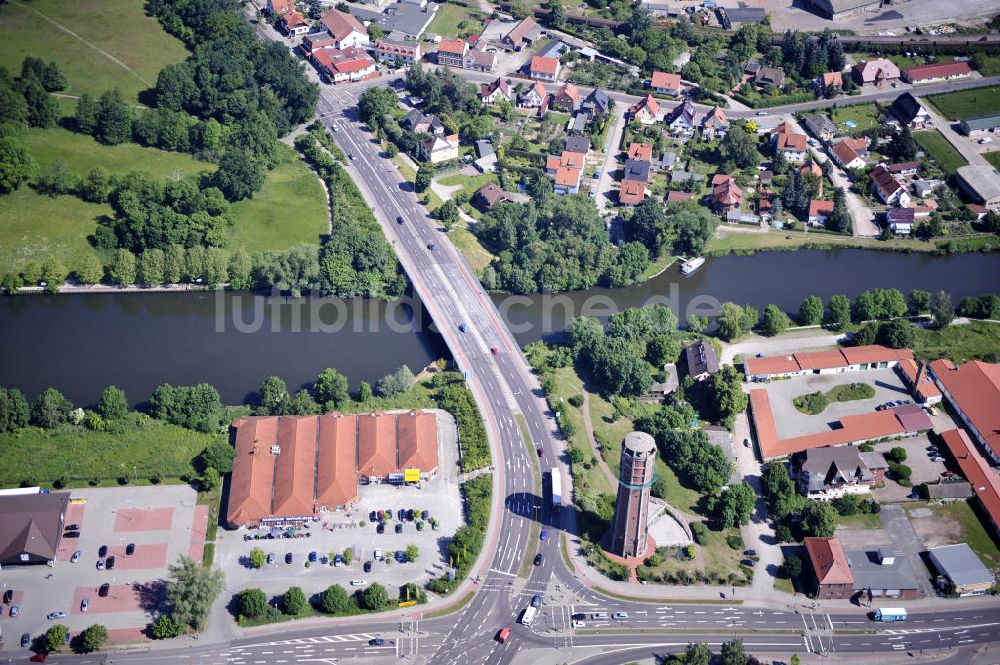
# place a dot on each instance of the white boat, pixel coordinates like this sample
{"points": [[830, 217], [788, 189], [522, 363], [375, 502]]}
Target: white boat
{"points": [[691, 265]]}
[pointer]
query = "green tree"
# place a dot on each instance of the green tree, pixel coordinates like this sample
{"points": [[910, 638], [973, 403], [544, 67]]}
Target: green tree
{"points": [[736, 505], [733, 653], [113, 121], [897, 454], [648, 225], [54, 274], [942, 309], [730, 321], [447, 213], [294, 601], [334, 600], [55, 638], [303, 404], [90, 271], [50, 409], [165, 628], [85, 117], [791, 567], [697, 654], [331, 389], [123, 269], [210, 479], [251, 603], [257, 557], [240, 174], [774, 321], [896, 334], [43, 109], [94, 187], [93, 638], [113, 404], [740, 147], [811, 311], [219, 455], [191, 590], [840, 220], [697, 324], [819, 519], [55, 180], [274, 398], [364, 392], [348, 555], [693, 226], [423, 179], [16, 165], [397, 383], [838, 312], [375, 597], [173, 264], [918, 302], [151, 266], [412, 552], [241, 271], [728, 398], [14, 411]]}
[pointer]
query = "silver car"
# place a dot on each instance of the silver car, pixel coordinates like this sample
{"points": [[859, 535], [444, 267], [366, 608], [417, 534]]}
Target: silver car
{"points": [[85, 604]]}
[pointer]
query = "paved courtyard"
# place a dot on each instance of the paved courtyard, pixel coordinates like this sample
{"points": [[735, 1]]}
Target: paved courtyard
{"points": [[163, 522], [918, 459], [791, 422]]}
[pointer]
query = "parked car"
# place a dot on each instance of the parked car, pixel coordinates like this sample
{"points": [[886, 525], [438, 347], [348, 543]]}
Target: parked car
{"points": [[749, 563], [270, 558], [103, 591], [85, 604], [75, 557], [351, 155], [313, 556], [401, 514], [746, 443], [750, 552], [338, 561], [71, 527], [100, 564], [377, 554], [409, 515], [399, 528], [541, 452], [367, 567], [577, 624], [25, 640], [380, 527], [8, 596], [15, 610], [38, 658], [424, 514], [463, 328], [358, 583], [102, 551], [288, 557], [539, 559], [71, 534], [130, 549], [399, 219], [52, 616], [544, 535], [110, 562], [937, 458]]}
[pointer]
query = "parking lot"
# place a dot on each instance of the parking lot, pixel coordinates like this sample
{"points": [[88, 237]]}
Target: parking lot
{"points": [[162, 523], [334, 532], [918, 459], [790, 422]]}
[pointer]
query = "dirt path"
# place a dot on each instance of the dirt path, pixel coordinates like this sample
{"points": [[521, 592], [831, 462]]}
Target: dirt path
{"points": [[90, 44], [588, 424]]}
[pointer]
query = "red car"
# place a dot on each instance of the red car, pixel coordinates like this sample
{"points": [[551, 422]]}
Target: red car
{"points": [[38, 658], [495, 351], [503, 635]]}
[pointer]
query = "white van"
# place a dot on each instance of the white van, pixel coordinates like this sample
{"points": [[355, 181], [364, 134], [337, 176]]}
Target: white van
{"points": [[599, 616]]}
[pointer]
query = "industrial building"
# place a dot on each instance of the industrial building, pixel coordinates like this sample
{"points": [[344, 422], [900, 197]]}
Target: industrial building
{"points": [[841, 9], [629, 527], [960, 566], [982, 183]]}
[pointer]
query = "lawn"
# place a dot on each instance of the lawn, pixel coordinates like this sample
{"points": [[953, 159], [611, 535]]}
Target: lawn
{"points": [[993, 158], [291, 209], [569, 384], [39, 456], [967, 103], [989, 65], [864, 115], [860, 521], [959, 343], [99, 44], [447, 18], [466, 241], [725, 241], [470, 183], [936, 145]]}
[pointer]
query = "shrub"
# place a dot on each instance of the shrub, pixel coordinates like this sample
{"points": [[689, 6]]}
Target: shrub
{"points": [[576, 400], [900, 471], [897, 454], [811, 404], [251, 603], [699, 532], [735, 542]]}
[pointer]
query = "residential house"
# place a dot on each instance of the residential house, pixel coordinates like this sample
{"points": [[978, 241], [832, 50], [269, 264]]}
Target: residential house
{"points": [[846, 156], [345, 29], [294, 23], [567, 171], [666, 162], [875, 73], [490, 195], [641, 151], [646, 111], [544, 69], [577, 144], [316, 41], [751, 68], [597, 103], [900, 220], [682, 119], [904, 169], [819, 211], [702, 360], [887, 187], [389, 49], [821, 127], [910, 112], [478, 60], [937, 71], [523, 34], [636, 169], [674, 196], [829, 570], [766, 76], [401, 20], [835, 471], [830, 80], [982, 183], [533, 97], [421, 123], [631, 193], [859, 143], [980, 125], [925, 187], [792, 146], [437, 149], [726, 196], [491, 93], [487, 161], [344, 65], [566, 98], [279, 7], [666, 83], [451, 52], [714, 124]]}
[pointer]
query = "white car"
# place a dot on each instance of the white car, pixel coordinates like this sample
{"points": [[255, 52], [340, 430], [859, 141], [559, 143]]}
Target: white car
{"points": [[75, 557], [336, 128], [578, 624], [358, 583], [619, 616], [986, 139], [378, 554]]}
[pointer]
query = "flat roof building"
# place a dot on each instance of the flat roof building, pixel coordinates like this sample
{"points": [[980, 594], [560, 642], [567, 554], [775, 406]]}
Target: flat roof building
{"points": [[959, 565], [31, 526], [981, 183]]}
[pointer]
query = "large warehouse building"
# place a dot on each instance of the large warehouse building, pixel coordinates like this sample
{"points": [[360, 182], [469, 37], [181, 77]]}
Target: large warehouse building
{"points": [[841, 9], [31, 526], [292, 467]]}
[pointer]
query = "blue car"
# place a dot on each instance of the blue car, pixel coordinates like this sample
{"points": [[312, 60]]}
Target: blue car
{"points": [[544, 535]]}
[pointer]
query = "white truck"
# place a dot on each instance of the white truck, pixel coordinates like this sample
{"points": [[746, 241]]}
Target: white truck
{"points": [[890, 614], [556, 488], [529, 615]]}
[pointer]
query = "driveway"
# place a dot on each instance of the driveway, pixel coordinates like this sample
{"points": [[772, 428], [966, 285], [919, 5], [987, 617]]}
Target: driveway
{"points": [[792, 341], [966, 146], [614, 140]]}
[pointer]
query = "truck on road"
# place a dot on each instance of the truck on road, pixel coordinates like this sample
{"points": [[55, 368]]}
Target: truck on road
{"points": [[529, 615], [556, 488], [890, 614]]}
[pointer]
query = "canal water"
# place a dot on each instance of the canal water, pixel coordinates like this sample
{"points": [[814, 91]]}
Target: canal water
{"points": [[82, 343]]}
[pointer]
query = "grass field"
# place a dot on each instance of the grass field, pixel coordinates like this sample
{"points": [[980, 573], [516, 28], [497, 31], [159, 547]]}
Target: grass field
{"points": [[82, 455], [975, 340], [864, 115], [993, 158], [989, 65], [967, 103], [99, 44], [725, 241], [936, 145], [447, 18], [470, 184], [291, 209]]}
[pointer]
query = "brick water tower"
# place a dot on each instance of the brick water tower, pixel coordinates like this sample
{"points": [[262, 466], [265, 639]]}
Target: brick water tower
{"points": [[629, 528]]}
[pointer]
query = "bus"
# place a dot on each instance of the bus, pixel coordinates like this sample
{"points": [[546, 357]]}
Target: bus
{"points": [[529, 615], [890, 614]]}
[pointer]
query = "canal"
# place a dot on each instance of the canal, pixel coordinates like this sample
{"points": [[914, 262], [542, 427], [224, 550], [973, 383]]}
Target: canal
{"points": [[82, 343]]}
